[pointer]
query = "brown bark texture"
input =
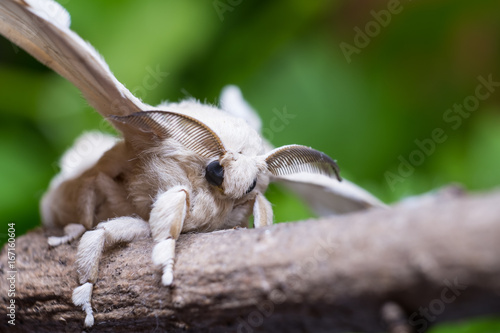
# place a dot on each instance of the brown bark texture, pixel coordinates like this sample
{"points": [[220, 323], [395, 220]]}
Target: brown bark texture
{"points": [[427, 260]]}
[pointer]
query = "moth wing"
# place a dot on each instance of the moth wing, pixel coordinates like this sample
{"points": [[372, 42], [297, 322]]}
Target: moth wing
{"points": [[42, 28], [327, 196], [232, 101]]}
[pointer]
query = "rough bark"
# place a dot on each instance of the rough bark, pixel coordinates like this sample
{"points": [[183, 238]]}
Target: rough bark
{"points": [[338, 274]]}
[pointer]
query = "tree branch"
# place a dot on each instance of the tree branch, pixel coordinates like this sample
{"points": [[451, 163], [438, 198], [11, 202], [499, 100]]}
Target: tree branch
{"points": [[433, 259]]}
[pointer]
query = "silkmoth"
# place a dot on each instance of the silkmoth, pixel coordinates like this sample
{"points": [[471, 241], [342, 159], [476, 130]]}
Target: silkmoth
{"points": [[178, 167]]}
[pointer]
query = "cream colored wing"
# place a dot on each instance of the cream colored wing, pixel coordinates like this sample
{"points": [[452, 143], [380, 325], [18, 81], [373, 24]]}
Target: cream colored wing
{"points": [[327, 196], [41, 27], [232, 101]]}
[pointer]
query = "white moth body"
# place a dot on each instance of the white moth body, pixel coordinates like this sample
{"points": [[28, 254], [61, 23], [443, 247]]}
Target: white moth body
{"points": [[141, 177], [180, 167]]}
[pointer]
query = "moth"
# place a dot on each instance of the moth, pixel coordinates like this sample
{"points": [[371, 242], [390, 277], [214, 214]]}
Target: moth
{"points": [[178, 167]]}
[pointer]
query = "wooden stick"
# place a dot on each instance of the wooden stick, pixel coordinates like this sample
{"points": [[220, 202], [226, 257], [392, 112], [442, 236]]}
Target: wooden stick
{"points": [[437, 258]]}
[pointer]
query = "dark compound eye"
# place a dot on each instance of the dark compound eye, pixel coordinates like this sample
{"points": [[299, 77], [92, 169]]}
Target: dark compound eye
{"points": [[214, 173], [252, 186]]}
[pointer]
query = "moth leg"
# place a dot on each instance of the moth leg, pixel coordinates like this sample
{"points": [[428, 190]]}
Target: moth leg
{"points": [[92, 244], [71, 232], [84, 192], [262, 211], [166, 222]]}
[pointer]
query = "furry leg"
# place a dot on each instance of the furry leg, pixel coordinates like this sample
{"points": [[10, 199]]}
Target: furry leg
{"points": [[92, 243], [81, 297], [166, 221], [71, 231], [262, 212]]}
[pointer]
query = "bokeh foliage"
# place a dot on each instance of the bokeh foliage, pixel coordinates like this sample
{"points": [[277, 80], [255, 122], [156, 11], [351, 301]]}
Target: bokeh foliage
{"points": [[365, 113]]}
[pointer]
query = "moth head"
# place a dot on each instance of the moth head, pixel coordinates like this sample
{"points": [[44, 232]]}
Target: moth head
{"points": [[232, 173], [242, 174]]}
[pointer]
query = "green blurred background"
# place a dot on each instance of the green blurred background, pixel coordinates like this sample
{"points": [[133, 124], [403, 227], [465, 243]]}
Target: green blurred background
{"points": [[365, 111]]}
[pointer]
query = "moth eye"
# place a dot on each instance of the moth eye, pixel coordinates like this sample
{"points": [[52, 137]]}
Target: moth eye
{"points": [[214, 173], [252, 186]]}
